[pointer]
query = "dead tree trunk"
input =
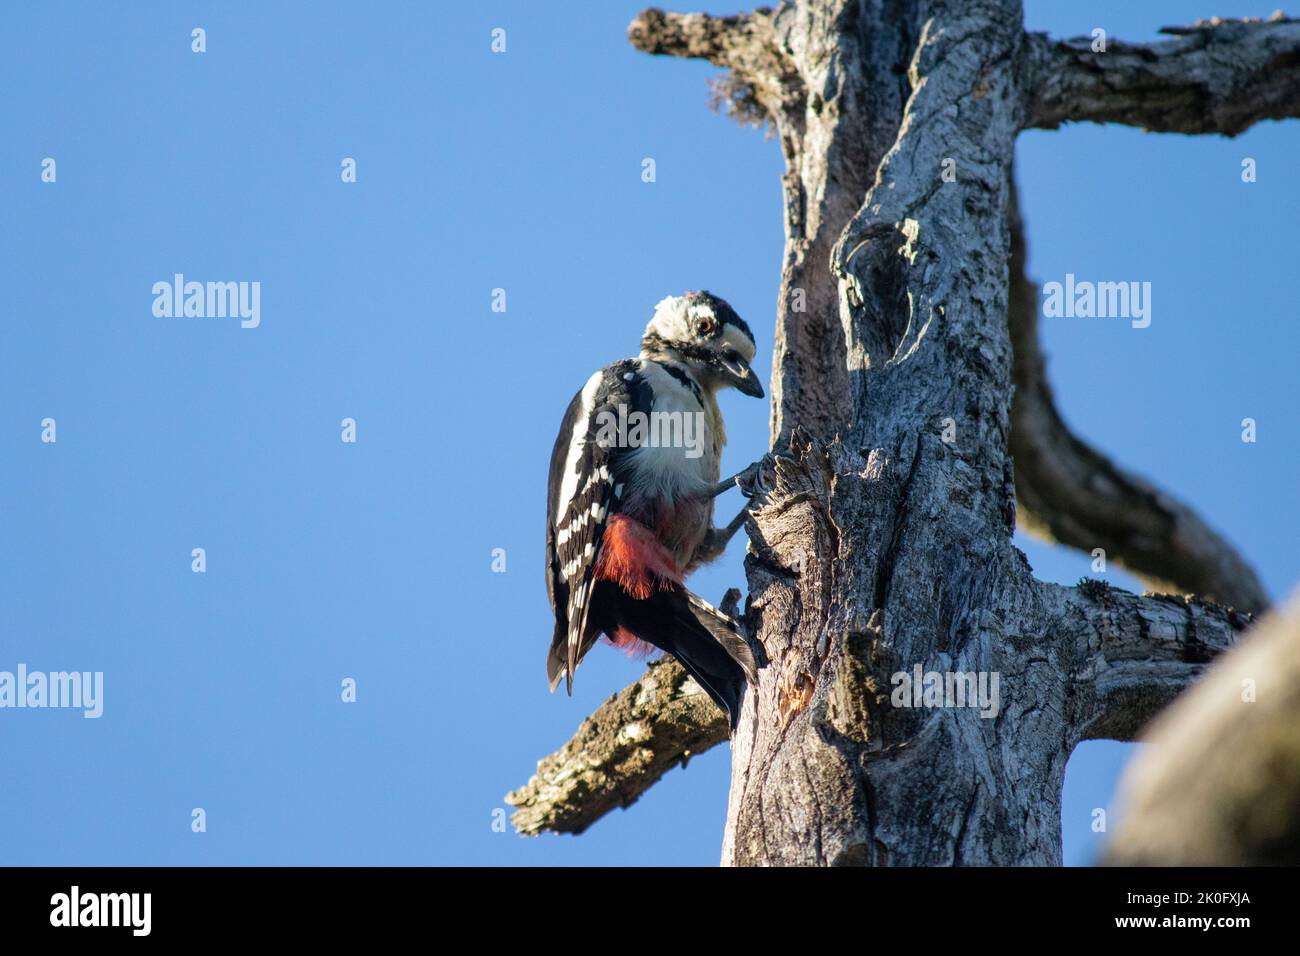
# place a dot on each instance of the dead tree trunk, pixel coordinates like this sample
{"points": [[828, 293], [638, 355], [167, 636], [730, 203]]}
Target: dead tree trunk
{"points": [[886, 541]]}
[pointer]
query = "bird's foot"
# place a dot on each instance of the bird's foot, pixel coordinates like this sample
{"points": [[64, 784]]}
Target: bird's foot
{"points": [[757, 481]]}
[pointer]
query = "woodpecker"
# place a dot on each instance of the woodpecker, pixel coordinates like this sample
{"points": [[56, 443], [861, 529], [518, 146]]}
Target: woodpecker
{"points": [[630, 514]]}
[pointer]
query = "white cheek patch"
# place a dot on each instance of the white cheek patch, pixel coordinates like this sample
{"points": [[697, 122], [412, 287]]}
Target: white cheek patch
{"points": [[736, 339]]}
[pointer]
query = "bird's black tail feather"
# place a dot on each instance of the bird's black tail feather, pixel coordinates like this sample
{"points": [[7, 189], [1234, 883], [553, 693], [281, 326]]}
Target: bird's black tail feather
{"points": [[706, 642]]}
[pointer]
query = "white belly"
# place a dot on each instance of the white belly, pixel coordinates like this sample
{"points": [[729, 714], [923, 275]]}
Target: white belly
{"points": [[678, 457]]}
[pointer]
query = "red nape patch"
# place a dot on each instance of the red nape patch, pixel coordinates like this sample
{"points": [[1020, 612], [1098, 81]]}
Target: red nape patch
{"points": [[629, 642], [632, 557]]}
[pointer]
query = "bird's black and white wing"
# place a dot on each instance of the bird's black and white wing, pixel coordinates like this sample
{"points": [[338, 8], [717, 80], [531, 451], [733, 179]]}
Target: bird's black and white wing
{"points": [[585, 487]]}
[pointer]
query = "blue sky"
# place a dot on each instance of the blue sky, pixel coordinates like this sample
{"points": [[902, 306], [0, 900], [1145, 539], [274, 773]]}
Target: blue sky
{"points": [[372, 560]]}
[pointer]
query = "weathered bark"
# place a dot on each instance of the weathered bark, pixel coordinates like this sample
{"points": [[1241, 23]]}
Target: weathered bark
{"points": [[1219, 783], [885, 543], [635, 737], [1134, 655], [1218, 76]]}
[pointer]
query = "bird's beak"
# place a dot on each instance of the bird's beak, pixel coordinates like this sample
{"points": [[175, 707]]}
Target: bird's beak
{"points": [[742, 376]]}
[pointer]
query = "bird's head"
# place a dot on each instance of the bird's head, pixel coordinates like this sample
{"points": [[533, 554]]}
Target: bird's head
{"points": [[703, 333]]}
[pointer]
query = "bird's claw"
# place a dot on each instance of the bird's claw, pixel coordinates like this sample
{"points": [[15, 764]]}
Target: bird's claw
{"points": [[753, 482]]}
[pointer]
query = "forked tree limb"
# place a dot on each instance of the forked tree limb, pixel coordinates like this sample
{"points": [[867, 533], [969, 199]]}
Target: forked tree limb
{"points": [[1068, 492], [1217, 76]]}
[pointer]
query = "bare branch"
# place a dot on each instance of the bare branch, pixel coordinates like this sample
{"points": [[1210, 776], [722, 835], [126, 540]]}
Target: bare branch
{"points": [[761, 80], [1068, 492], [1133, 655], [726, 41], [1220, 782], [632, 740], [1218, 76]]}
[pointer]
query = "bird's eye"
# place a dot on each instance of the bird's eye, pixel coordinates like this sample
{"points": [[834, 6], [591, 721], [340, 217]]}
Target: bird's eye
{"points": [[705, 325]]}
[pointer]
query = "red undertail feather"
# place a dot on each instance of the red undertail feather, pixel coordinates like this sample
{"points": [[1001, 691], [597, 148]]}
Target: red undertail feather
{"points": [[632, 645], [632, 557]]}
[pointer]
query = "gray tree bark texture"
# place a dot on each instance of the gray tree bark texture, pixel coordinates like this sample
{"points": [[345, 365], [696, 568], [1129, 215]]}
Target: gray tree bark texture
{"points": [[910, 414]]}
